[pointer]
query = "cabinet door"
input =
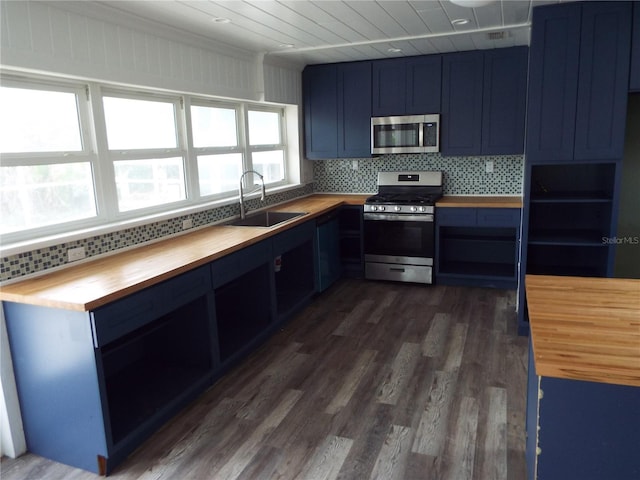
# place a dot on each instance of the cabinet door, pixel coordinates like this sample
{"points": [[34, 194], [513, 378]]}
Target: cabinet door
{"points": [[320, 111], [388, 79], [602, 88], [634, 77], [504, 100], [553, 82], [462, 77], [424, 84], [354, 110]]}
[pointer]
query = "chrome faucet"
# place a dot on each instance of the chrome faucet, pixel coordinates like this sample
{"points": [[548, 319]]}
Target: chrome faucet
{"points": [[243, 210]]}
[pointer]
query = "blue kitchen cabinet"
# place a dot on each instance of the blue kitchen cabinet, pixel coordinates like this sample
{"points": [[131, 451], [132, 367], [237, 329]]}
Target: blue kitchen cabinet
{"points": [[581, 429], [354, 110], [578, 73], [634, 75], [477, 246], [571, 211], [295, 269], [504, 100], [320, 90], [462, 87], [407, 86], [243, 295], [337, 110], [93, 385], [350, 228], [329, 267], [483, 102]]}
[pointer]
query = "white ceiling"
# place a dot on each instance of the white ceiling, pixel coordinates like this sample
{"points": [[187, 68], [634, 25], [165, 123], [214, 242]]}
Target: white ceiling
{"points": [[323, 31]]}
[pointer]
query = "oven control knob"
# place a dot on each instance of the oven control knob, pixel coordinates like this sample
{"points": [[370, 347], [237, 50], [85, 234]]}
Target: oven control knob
{"points": [[397, 208], [414, 209], [381, 208], [373, 208], [423, 209]]}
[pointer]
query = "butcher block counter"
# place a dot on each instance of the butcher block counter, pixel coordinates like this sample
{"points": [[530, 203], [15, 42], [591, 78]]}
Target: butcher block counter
{"points": [[89, 285], [480, 201], [585, 328]]}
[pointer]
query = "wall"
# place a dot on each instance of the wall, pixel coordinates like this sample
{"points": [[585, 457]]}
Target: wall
{"points": [[462, 175], [627, 262]]}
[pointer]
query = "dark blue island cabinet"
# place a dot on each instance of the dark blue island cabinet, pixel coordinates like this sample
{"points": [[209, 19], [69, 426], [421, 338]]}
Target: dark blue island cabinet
{"points": [[583, 387], [93, 385], [483, 102], [406, 86], [578, 81], [337, 110]]}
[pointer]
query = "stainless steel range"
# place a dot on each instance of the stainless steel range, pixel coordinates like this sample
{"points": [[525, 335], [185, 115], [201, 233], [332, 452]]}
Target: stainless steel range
{"points": [[399, 233]]}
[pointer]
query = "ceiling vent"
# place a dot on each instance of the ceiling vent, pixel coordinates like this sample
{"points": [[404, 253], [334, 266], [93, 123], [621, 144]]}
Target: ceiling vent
{"points": [[502, 35]]}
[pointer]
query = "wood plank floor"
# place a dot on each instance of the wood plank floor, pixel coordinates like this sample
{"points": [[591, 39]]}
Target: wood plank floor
{"points": [[373, 380]]}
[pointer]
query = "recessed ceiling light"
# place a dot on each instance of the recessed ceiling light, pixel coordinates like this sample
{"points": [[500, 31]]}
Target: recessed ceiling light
{"points": [[394, 50], [460, 21], [220, 20], [287, 45]]}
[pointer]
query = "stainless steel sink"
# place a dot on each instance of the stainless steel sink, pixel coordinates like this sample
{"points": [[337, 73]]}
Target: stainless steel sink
{"points": [[264, 219]]}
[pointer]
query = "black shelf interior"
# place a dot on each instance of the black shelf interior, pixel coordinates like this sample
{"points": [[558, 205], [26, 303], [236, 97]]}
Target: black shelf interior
{"points": [[240, 311], [295, 280], [565, 182], [148, 369], [483, 269], [583, 261]]}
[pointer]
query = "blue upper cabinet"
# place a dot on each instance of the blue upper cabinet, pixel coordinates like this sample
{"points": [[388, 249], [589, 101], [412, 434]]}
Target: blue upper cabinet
{"points": [[603, 80], [337, 110], [553, 82], [483, 102], [462, 78], [354, 110], [579, 65], [320, 90], [634, 77], [406, 86], [504, 101]]}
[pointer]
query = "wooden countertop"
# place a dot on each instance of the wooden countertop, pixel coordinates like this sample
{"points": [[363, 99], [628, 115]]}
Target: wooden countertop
{"points": [[480, 201], [89, 285], [585, 328]]}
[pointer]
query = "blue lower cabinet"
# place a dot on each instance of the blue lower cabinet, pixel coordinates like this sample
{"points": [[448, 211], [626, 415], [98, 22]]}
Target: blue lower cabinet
{"points": [[579, 429], [477, 246], [329, 267], [93, 385]]}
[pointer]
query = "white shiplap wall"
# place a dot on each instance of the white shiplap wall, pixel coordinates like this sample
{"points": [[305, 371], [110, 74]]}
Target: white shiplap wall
{"points": [[89, 41]]}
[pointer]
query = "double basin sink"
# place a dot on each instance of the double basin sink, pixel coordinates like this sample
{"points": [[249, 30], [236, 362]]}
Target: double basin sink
{"points": [[264, 219]]}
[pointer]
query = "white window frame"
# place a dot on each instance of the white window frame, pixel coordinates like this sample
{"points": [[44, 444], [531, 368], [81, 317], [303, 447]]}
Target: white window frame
{"points": [[95, 151], [86, 155]]}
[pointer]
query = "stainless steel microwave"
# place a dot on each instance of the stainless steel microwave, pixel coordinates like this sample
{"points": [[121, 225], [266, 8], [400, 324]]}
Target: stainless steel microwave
{"points": [[405, 134]]}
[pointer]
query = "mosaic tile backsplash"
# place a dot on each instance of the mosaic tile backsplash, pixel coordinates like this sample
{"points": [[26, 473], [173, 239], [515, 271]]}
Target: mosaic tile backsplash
{"points": [[462, 176], [50, 257]]}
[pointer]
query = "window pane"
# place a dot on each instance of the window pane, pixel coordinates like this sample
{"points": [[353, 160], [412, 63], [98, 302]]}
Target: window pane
{"points": [[145, 183], [134, 124], [38, 121], [214, 127], [219, 173], [270, 164], [41, 195], [264, 128]]}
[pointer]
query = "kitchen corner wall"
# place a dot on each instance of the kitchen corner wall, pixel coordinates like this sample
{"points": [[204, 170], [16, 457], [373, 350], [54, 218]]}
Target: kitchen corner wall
{"points": [[462, 175]]}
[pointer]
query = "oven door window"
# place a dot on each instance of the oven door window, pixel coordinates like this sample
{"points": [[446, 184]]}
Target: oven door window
{"points": [[399, 135], [399, 238]]}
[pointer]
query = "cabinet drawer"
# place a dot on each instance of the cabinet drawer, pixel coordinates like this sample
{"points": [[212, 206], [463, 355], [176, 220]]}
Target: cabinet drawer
{"points": [[123, 316], [294, 237], [238, 263], [456, 216], [186, 287], [498, 217]]}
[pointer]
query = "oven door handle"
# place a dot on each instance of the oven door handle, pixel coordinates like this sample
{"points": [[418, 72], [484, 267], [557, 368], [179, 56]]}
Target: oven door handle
{"points": [[393, 217]]}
